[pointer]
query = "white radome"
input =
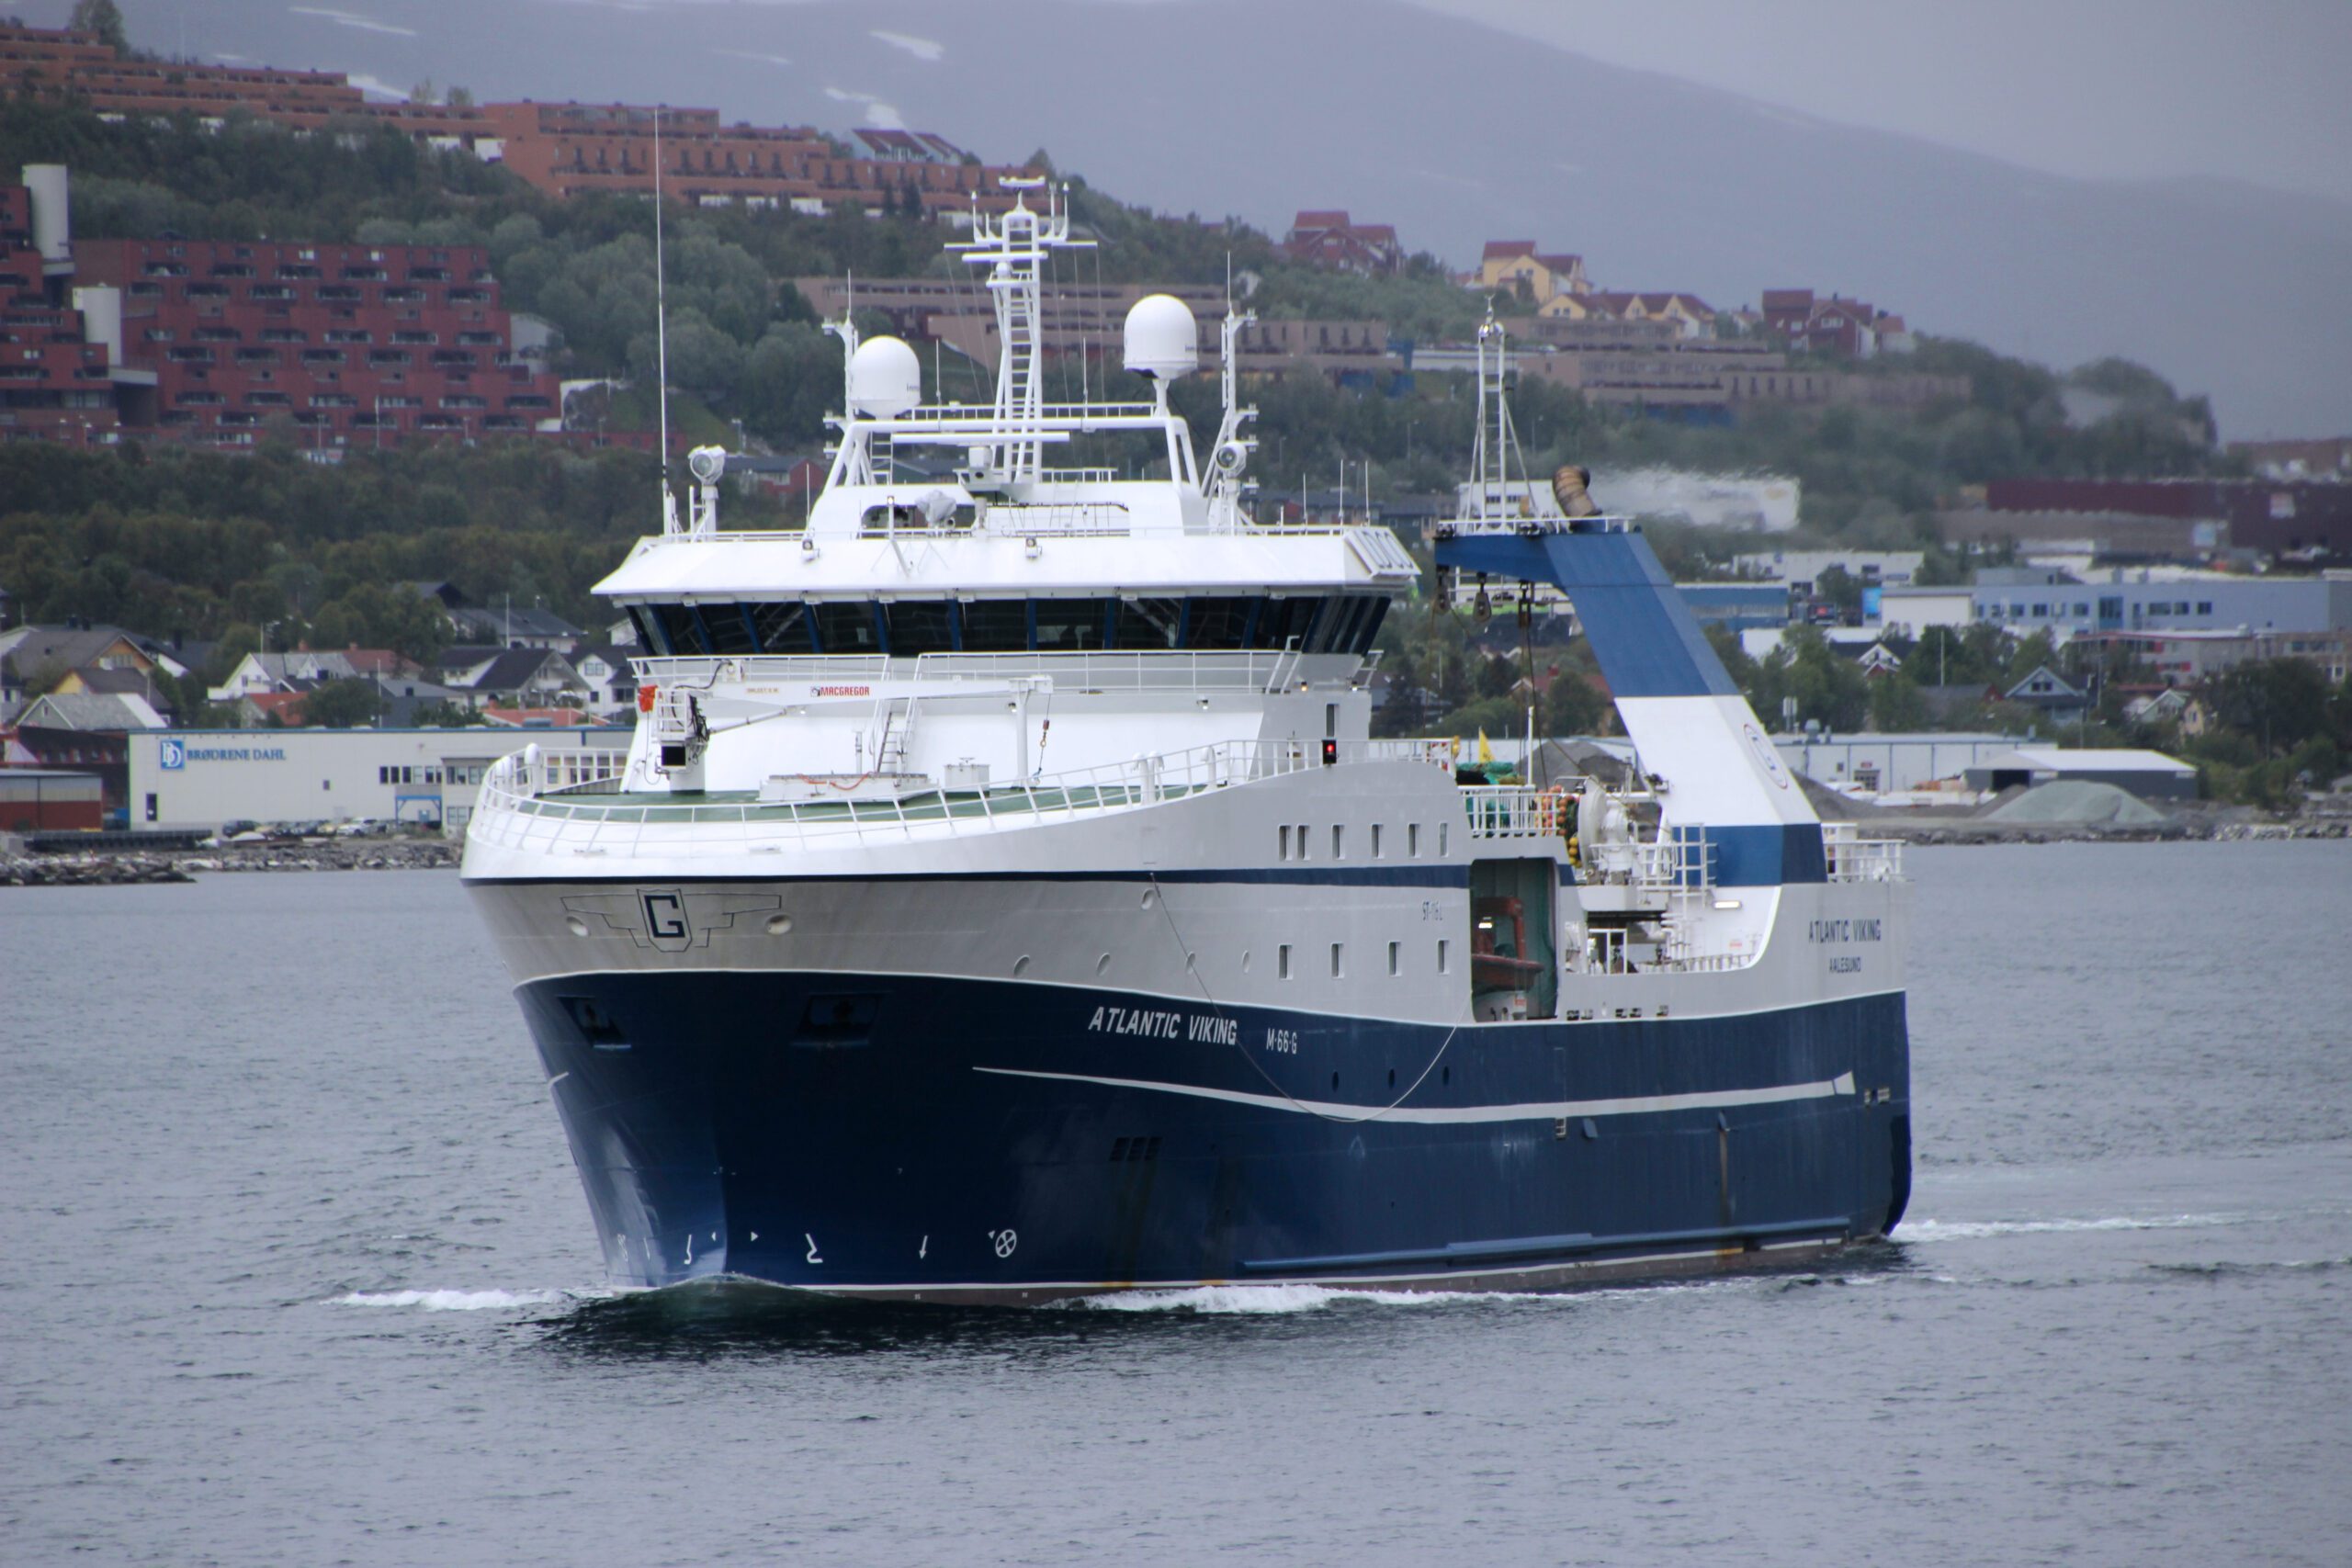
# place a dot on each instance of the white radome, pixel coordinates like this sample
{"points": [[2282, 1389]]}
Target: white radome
{"points": [[1163, 341], [885, 379]]}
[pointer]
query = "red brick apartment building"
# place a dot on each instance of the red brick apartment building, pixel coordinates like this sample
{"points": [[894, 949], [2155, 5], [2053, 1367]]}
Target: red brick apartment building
{"points": [[565, 150], [57, 378], [355, 344]]}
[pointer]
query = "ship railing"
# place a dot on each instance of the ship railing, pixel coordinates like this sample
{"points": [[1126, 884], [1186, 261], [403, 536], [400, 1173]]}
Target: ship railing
{"points": [[1183, 671], [1059, 519], [702, 670], [1520, 811], [1853, 858], [1175, 669], [538, 770], [521, 808]]}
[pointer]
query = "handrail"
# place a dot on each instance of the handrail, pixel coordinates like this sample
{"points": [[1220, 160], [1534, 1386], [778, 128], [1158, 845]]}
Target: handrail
{"points": [[1853, 858], [1136, 669], [518, 806]]}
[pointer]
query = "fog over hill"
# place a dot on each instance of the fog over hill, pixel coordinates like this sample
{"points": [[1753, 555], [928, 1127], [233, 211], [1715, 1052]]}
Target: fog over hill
{"points": [[1453, 132]]}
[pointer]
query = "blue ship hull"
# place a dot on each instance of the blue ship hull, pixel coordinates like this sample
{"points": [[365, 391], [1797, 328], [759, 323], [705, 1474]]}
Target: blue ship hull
{"points": [[951, 1140]]}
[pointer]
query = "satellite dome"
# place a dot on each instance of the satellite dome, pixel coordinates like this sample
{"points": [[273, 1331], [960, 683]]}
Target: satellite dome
{"points": [[885, 379], [1163, 341]]}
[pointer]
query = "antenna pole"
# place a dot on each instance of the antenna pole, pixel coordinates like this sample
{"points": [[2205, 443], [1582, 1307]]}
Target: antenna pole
{"points": [[661, 336]]}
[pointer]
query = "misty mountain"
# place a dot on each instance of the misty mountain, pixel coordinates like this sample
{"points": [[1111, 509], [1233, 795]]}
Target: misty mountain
{"points": [[1453, 132]]}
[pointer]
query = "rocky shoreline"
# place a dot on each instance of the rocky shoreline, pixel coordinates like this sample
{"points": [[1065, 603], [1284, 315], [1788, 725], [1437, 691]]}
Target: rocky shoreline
{"points": [[108, 870]]}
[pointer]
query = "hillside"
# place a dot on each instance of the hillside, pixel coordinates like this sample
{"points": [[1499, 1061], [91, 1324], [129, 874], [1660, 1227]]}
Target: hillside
{"points": [[1456, 134]]}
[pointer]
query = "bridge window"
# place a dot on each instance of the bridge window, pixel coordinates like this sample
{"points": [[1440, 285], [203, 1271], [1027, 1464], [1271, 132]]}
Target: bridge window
{"points": [[996, 625], [1071, 625], [849, 627], [920, 626], [1219, 624], [1150, 624], [781, 626], [728, 628], [681, 630]]}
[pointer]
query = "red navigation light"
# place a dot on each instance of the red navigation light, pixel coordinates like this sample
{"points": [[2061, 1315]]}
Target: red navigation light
{"points": [[1330, 752]]}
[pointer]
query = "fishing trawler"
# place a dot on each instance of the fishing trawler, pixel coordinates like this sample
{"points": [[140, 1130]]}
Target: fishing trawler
{"points": [[1002, 900]]}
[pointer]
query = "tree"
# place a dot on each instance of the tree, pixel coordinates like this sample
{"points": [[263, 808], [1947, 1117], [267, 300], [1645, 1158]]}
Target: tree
{"points": [[2278, 703], [1896, 707], [104, 18], [343, 704]]}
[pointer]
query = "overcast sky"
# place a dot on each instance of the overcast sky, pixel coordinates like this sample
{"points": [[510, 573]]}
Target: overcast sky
{"points": [[2256, 90]]}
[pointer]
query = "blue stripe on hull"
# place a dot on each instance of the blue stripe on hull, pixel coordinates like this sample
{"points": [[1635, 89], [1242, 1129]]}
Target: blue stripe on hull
{"points": [[963, 1138]]}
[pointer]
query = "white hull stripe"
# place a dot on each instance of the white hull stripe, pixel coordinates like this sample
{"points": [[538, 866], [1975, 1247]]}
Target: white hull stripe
{"points": [[1634, 1105]]}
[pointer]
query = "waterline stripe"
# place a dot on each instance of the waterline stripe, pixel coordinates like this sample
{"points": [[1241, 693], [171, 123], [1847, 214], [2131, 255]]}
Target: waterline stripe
{"points": [[1458, 1115]]}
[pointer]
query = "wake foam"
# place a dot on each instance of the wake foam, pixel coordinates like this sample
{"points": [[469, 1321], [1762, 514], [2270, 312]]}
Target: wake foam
{"points": [[1972, 1230], [1264, 1300], [456, 1300]]}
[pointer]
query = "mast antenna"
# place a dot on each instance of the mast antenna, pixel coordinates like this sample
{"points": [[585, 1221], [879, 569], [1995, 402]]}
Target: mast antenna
{"points": [[661, 336]]}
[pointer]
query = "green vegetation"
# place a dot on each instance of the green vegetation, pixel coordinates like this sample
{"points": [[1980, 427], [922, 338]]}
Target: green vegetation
{"points": [[184, 545], [237, 549]]}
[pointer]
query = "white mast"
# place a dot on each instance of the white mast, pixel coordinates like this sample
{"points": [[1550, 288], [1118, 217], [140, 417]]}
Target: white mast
{"points": [[1491, 458], [1014, 248], [661, 337]]}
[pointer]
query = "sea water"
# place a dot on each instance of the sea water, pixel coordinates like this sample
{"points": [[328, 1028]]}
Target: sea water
{"points": [[294, 1268]]}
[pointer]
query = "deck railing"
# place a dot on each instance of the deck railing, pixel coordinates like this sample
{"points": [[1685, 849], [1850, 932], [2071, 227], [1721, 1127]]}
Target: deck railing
{"points": [[523, 805], [1853, 858]]}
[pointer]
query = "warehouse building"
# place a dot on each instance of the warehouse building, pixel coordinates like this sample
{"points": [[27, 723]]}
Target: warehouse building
{"points": [[201, 778], [2151, 776]]}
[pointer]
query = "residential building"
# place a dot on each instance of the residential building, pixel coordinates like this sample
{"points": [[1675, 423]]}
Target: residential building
{"points": [[367, 345], [1687, 314], [518, 677], [610, 678], [78, 659], [2191, 658], [564, 148], [508, 625], [2048, 692], [1832, 324], [90, 710], [1515, 268], [62, 371], [1332, 241], [299, 669]]}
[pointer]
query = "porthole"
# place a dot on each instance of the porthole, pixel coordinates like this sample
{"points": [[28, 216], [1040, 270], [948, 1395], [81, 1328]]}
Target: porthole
{"points": [[575, 925], [1103, 963], [779, 924], [1021, 966]]}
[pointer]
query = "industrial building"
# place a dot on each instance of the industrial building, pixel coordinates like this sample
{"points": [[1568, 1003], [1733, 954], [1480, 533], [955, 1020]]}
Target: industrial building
{"points": [[2182, 604], [1888, 764], [49, 800], [2151, 776], [201, 778]]}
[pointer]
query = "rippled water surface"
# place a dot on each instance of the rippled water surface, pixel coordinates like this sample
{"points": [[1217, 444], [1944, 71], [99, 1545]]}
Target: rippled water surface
{"points": [[293, 1268]]}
